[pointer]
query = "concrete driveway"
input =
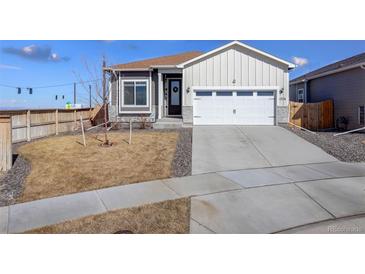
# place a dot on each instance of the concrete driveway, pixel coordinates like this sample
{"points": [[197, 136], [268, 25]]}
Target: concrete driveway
{"points": [[222, 148]]}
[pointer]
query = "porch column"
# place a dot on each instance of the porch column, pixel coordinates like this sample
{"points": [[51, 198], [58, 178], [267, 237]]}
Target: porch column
{"points": [[160, 95]]}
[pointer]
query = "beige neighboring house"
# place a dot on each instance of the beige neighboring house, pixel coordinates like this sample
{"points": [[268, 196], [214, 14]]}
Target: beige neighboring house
{"points": [[232, 85]]}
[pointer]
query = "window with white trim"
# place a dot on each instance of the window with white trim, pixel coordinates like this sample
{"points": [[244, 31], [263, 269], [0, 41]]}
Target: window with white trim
{"points": [[361, 115], [300, 95], [135, 93]]}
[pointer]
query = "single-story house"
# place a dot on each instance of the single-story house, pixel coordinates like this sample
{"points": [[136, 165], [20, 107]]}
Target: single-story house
{"points": [[343, 82], [232, 85]]}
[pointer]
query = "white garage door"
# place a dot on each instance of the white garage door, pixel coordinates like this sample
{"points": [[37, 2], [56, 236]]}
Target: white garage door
{"points": [[233, 107]]}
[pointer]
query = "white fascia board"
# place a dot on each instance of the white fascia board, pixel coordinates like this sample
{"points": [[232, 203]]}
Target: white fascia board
{"points": [[163, 66], [290, 65], [327, 73], [130, 69]]}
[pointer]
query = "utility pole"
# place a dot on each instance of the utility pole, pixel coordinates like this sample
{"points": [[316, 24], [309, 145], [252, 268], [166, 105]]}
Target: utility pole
{"points": [[90, 95], [74, 94]]}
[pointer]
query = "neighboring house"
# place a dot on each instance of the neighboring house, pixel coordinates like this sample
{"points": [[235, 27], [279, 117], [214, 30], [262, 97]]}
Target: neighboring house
{"points": [[234, 84], [343, 82]]}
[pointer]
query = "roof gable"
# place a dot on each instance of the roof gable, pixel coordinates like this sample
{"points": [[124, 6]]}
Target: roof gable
{"points": [[239, 44]]}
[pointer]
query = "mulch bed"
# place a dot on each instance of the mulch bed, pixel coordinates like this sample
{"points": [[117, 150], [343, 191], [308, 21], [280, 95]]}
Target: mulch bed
{"points": [[12, 182], [181, 166], [346, 148]]}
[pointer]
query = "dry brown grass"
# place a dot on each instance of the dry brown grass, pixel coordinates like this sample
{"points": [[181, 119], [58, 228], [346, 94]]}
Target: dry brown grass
{"points": [[164, 217], [61, 165]]}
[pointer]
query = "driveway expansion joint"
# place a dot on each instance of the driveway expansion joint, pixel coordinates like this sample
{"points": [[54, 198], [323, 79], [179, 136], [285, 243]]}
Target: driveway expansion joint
{"points": [[254, 145], [207, 228], [310, 197], [173, 190], [101, 201]]}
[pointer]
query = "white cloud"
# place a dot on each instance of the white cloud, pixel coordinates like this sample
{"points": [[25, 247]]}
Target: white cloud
{"points": [[54, 57], [29, 49], [300, 61], [36, 53], [3, 66]]}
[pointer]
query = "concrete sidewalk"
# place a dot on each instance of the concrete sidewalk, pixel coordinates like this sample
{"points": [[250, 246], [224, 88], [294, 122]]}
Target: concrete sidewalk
{"points": [[264, 200]]}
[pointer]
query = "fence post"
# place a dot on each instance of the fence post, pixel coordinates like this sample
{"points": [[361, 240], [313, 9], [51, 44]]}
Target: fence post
{"points": [[28, 126], [75, 119], [56, 118], [6, 155]]}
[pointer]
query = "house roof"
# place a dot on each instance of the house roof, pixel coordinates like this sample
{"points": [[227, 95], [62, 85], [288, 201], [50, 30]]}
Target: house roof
{"points": [[331, 68], [171, 60], [183, 59], [237, 43]]}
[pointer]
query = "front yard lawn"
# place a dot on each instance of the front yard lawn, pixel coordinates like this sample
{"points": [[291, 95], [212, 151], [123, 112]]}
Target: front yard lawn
{"points": [[165, 217], [346, 148], [61, 165]]}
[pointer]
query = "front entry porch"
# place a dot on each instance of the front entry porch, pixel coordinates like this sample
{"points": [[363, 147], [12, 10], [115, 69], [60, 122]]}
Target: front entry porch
{"points": [[168, 123], [170, 96]]}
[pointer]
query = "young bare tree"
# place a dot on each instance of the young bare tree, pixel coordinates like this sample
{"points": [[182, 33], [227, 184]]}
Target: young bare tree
{"points": [[105, 102], [101, 94]]}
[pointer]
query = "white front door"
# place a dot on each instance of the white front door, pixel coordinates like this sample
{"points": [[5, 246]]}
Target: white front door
{"points": [[239, 107]]}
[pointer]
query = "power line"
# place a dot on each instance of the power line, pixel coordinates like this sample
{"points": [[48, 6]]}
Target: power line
{"points": [[52, 86]]}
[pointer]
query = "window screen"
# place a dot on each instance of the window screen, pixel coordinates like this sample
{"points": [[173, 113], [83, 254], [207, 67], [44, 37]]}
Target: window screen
{"points": [[135, 93]]}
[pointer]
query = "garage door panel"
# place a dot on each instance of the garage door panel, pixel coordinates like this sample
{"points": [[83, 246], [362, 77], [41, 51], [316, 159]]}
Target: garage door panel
{"points": [[243, 108]]}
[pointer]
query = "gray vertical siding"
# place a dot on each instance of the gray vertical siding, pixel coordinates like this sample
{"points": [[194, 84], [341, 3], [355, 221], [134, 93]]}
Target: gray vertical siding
{"points": [[154, 94], [114, 90], [346, 89]]}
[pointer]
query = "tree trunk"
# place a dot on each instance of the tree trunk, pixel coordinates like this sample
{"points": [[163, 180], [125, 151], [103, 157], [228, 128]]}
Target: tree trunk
{"points": [[105, 101]]}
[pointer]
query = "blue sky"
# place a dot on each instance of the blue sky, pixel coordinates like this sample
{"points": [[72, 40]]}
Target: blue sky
{"points": [[44, 63]]}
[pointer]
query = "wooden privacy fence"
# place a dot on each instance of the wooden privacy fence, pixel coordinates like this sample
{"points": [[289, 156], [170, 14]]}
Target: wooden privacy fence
{"points": [[32, 124], [6, 155], [313, 116]]}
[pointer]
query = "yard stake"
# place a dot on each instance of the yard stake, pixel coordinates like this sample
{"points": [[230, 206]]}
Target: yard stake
{"points": [[130, 131], [83, 132]]}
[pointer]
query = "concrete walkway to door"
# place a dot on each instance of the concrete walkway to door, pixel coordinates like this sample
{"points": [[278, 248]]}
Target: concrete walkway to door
{"points": [[222, 148]]}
